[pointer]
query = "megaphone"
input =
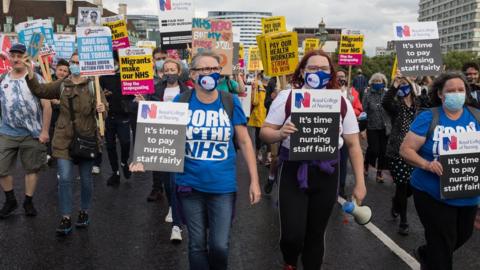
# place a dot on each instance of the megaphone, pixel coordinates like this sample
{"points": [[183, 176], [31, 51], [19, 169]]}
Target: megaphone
{"points": [[361, 214]]}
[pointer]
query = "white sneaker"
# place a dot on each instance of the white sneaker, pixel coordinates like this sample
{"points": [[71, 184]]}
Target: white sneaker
{"points": [[169, 218], [176, 235], [95, 170]]}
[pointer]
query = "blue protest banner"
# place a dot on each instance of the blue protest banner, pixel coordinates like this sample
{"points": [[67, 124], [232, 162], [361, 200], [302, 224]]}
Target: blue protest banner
{"points": [[95, 51], [36, 43]]}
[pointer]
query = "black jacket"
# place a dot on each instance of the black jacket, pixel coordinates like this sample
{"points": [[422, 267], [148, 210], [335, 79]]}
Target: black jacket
{"points": [[160, 90], [118, 104]]}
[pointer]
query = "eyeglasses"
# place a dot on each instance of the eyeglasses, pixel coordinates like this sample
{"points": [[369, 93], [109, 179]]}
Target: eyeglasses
{"points": [[207, 70], [317, 68], [74, 62]]}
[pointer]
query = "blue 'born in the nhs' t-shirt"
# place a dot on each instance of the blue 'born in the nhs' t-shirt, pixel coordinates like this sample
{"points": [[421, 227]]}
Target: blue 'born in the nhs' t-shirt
{"points": [[429, 182], [209, 150]]}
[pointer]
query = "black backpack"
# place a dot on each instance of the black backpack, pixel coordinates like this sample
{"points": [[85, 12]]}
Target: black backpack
{"points": [[227, 102]]}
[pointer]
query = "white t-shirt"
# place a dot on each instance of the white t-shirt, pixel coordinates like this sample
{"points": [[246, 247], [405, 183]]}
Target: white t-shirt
{"points": [[170, 93], [276, 116]]}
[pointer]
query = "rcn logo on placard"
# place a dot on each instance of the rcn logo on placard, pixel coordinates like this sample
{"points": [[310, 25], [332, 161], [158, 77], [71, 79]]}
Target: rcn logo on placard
{"points": [[302, 100], [165, 5], [89, 31], [403, 31], [450, 143], [149, 112]]}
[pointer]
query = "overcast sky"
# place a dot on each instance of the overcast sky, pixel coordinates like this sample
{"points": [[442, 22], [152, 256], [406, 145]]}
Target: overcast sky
{"points": [[373, 17]]}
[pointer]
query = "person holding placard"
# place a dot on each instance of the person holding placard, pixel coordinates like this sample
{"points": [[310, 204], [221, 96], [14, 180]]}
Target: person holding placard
{"points": [[401, 103], [448, 223], [304, 212], [258, 114], [77, 121], [207, 187], [352, 95], [378, 124], [117, 123]]}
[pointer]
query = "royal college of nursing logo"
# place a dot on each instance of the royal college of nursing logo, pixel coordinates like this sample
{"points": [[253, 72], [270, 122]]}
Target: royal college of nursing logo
{"points": [[403, 31], [302, 99], [149, 111], [165, 5], [450, 143]]}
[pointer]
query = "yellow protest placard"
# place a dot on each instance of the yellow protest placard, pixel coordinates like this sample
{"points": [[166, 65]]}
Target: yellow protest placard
{"points": [[310, 44], [263, 50], [254, 59], [136, 71], [118, 27], [351, 49], [282, 53], [275, 24]]}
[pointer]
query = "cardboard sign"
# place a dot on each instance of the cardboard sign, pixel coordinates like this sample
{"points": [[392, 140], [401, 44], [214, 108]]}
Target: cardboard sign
{"points": [[89, 16], [310, 44], [316, 114], [418, 48], [36, 43], [215, 35], [147, 44], [49, 44], [254, 59], [118, 27], [64, 46], [282, 53], [95, 51], [274, 24], [136, 71], [351, 48], [161, 136], [5, 45], [246, 100], [175, 18], [460, 159]]}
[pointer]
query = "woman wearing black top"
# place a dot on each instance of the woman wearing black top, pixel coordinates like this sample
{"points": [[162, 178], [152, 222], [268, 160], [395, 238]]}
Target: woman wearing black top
{"points": [[400, 103]]}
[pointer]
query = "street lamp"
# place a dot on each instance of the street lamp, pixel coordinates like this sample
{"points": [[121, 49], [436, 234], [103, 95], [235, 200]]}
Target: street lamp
{"points": [[322, 34]]}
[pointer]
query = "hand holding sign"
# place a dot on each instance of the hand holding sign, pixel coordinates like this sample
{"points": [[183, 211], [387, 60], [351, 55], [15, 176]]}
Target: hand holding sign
{"points": [[435, 167], [287, 129]]}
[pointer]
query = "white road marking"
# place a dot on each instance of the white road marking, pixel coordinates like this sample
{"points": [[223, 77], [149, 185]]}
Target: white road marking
{"points": [[405, 256]]}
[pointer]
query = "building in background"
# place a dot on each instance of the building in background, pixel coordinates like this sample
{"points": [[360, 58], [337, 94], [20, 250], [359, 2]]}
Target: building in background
{"points": [[458, 23], [249, 22], [146, 26], [333, 34], [383, 51]]}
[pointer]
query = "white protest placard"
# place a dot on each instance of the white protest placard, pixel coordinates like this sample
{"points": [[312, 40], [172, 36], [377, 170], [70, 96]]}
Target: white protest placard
{"points": [[175, 17], [246, 100], [89, 16], [161, 135], [95, 51], [460, 159], [316, 114]]}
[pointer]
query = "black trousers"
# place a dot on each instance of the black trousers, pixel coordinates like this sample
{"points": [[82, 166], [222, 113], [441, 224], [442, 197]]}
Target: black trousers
{"points": [[304, 214], [447, 228], [117, 126], [377, 146]]}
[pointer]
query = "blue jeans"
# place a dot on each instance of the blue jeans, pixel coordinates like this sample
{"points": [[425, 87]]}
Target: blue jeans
{"points": [[65, 173], [213, 211]]}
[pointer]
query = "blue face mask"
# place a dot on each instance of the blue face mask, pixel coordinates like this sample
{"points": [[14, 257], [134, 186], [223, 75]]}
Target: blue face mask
{"points": [[74, 69], [208, 82], [454, 101], [317, 80], [378, 86], [404, 90]]}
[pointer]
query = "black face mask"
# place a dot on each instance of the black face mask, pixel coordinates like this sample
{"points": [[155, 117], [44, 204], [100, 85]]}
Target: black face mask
{"points": [[342, 82], [171, 78]]}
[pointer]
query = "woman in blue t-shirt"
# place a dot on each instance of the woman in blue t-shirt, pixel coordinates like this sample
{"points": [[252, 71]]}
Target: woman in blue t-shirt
{"points": [[448, 223], [207, 188]]}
